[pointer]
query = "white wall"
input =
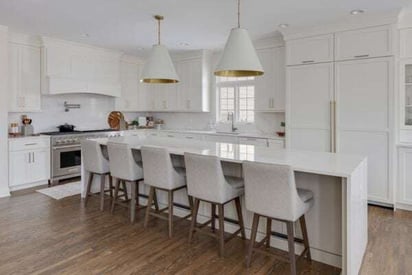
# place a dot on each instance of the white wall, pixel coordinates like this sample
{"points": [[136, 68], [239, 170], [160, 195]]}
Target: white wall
{"points": [[4, 167]]}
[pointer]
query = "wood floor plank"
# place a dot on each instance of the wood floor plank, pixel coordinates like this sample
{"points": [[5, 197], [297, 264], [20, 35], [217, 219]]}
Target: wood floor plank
{"points": [[40, 235]]}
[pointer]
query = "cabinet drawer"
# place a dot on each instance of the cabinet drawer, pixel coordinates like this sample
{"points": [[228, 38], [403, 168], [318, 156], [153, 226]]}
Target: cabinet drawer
{"points": [[276, 144], [363, 43], [253, 141], [310, 50], [20, 144]]}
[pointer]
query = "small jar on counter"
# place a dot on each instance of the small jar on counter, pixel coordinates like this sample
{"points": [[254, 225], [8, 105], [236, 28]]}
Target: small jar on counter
{"points": [[14, 129]]}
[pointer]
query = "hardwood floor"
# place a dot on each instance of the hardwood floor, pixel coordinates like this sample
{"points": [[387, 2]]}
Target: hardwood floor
{"points": [[39, 235]]}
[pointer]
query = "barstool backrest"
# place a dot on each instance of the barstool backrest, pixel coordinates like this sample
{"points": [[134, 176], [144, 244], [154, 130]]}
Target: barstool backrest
{"points": [[158, 167], [122, 163], [270, 190], [205, 178], [93, 159]]}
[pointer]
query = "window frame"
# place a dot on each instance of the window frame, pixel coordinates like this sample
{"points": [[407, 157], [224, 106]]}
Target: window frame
{"points": [[235, 83]]}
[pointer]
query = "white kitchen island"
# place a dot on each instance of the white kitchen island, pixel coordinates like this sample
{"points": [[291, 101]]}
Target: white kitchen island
{"points": [[337, 224]]}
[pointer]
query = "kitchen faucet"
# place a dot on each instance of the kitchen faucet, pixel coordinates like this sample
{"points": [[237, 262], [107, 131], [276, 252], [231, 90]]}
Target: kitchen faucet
{"points": [[231, 116]]}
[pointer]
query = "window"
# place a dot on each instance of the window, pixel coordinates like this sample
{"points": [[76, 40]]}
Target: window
{"points": [[237, 96]]}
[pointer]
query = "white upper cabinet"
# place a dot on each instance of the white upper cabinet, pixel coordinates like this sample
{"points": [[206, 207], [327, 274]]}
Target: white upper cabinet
{"points": [[405, 43], [193, 90], [129, 99], [270, 88], [364, 43], [75, 68], [24, 78], [315, 49]]}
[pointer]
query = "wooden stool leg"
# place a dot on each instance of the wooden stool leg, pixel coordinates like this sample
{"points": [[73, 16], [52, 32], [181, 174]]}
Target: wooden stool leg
{"points": [[194, 218], [116, 193], [149, 204], [89, 187], [268, 231], [126, 196], [102, 188], [133, 201], [291, 246], [156, 204], [221, 230], [252, 239], [305, 236], [110, 185], [170, 205], [240, 218], [213, 216]]}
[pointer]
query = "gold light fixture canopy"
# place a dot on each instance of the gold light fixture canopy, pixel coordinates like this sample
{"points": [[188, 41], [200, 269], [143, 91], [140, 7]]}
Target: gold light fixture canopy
{"points": [[239, 58], [159, 67]]}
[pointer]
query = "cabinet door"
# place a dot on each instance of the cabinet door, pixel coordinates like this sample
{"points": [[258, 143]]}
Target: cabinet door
{"points": [[405, 43], [189, 89], [270, 88], [363, 43], [310, 50], [40, 165], [15, 101], [18, 170], [404, 191], [363, 93], [129, 100], [364, 100], [30, 77], [309, 92], [24, 78]]}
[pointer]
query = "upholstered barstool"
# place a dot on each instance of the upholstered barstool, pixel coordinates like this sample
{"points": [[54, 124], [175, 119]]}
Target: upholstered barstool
{"points": [[96, 164], [125, 167], [270, 191], [206, 182], [161, 175]]}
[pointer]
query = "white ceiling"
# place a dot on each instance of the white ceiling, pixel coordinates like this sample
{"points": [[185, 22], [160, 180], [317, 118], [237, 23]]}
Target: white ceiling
{"points": [[127, 25]]}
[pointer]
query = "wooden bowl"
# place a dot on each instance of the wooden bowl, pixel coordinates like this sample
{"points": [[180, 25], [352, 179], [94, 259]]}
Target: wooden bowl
{"points": [[114, 119]]}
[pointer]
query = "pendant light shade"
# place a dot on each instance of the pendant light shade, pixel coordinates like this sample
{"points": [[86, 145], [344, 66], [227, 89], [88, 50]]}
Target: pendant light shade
{"points": [[239, 58], [159, 67]]}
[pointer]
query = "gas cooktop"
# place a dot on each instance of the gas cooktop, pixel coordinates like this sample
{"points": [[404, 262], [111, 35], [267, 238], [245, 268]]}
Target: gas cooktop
{"points": [[76, 132]]}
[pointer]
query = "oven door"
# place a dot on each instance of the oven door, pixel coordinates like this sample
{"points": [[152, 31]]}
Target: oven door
{"points": [[66, 160]]}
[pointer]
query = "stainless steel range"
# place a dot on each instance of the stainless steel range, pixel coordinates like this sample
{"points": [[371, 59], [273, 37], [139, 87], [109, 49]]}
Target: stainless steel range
{"points": [[66, 151]]}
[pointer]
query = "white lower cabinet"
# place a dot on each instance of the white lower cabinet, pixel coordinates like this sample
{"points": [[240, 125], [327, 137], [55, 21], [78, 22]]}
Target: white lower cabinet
{"points": [[276, 143], [29, 162], [404, 188]]}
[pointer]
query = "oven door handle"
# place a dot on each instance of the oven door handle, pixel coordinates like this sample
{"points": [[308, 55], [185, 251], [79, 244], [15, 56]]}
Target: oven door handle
{"points": [[67, 146]]}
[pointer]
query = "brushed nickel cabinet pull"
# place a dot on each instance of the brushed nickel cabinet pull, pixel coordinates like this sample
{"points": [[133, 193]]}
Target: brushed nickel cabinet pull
{"points": [[308, 61], [30, 144]]}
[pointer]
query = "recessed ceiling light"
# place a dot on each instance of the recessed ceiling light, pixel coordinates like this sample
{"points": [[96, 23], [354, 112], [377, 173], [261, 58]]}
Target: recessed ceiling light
{"points": [[283, 26], [85, 35], [356, 12]]}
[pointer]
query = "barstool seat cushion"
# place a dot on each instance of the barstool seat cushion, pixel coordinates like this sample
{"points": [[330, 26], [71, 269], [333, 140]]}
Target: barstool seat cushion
{"points": [[235, 182], [304, 194]]}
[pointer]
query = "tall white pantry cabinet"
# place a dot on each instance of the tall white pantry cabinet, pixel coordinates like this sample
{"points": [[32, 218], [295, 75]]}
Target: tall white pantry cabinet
{"points": [[340, 99]]}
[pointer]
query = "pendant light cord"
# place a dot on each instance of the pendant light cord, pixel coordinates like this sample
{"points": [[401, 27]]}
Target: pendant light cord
{"points": [[238, 13], [158, 31]]}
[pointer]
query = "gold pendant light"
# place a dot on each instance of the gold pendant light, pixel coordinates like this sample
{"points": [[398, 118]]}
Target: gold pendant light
{"points": [[159, 67], [239, 58]]}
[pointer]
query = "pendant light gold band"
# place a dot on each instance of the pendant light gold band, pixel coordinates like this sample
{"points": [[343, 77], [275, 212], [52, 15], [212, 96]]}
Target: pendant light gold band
{"points": [[238, 73], [159, 81]]}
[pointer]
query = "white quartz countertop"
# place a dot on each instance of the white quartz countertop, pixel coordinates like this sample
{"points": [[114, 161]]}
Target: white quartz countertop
{"points": [[339, 165], [210, 132]]}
